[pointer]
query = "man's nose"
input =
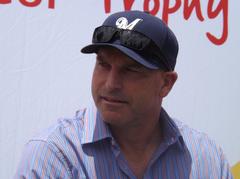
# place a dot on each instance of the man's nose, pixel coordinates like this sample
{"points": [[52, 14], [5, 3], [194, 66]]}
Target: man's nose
{"points": [[114, 79]]}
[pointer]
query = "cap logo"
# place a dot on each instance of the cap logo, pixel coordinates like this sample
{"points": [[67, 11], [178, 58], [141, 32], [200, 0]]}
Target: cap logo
{"points": [[122, 23]]}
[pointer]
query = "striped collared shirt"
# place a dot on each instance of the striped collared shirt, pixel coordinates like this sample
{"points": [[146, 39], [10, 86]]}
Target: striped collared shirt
{"points": [[83, 147]]}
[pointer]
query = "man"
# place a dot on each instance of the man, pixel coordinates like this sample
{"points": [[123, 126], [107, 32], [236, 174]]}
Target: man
{"points": [[128, 134]]}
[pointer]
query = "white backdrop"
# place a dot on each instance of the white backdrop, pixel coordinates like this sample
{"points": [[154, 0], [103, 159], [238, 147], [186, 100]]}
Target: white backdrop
{"points": [[43, 75]]}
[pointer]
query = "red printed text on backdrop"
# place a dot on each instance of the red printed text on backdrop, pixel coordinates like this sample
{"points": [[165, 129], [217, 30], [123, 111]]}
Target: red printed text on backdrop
{"points": [[213, 11], [51, 3], [188, 7]]}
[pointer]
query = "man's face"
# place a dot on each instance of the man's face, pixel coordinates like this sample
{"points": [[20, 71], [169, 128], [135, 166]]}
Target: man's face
{"points": [[125, 92]]}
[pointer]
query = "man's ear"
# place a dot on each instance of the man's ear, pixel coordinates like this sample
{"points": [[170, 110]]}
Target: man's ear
{"points": [[169, 78]]}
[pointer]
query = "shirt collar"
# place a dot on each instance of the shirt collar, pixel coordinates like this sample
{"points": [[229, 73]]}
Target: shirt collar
{"points": [[171, 132], [94, 128]]}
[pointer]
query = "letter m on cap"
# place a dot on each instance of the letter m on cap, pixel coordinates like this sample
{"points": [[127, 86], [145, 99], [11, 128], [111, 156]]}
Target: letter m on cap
{"points": [[122, 23]]}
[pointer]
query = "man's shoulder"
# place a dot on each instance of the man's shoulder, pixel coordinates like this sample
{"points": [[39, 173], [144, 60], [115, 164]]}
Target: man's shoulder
{"points": [[208, 158], [56, 148], [62, 129], [191, 135], [201, 146]]}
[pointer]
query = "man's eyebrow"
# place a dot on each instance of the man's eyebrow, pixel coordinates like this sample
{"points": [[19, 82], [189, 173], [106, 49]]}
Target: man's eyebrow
{"points": [[135, 65]]}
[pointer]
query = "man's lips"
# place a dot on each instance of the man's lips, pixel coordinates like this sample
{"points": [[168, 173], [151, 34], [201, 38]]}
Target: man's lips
{"points": [[112, 99]]}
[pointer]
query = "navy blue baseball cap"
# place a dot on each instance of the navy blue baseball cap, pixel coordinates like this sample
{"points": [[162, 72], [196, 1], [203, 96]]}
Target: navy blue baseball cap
{"points": [[141, 36]]}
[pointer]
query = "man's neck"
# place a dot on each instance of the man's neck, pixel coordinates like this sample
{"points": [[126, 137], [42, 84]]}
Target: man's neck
{"points": [[137, 138], [138, 144]]}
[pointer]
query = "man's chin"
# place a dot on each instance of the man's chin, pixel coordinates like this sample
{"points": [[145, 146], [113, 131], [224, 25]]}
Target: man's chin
{"points": [[112, 117]]}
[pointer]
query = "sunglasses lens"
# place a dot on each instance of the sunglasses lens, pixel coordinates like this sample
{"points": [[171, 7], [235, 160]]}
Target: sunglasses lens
{"points": [[130, 39], [134, 40], [103, 34]]}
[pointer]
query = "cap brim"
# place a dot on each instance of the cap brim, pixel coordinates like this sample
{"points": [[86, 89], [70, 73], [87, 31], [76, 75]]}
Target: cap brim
{"points": [[93, 48]]}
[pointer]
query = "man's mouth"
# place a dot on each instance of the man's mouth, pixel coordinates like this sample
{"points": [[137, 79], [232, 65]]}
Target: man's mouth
{"points": [[113, 100]]}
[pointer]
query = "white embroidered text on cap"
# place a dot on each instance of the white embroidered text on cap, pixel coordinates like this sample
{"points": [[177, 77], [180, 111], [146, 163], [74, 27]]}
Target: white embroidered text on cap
{"points": [[122, 23]]}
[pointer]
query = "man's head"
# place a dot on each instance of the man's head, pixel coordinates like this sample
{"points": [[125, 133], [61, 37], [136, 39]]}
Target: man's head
{"points": [[136, 56]]}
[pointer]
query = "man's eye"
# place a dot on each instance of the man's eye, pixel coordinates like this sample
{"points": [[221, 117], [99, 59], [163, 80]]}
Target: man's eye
{"points": [[103, 64], [133, 69]]}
